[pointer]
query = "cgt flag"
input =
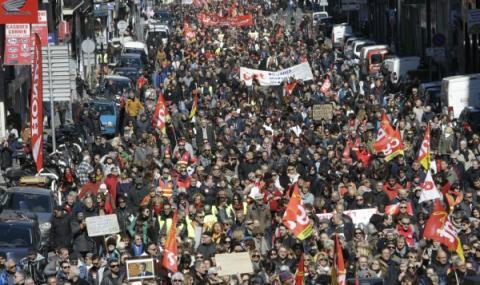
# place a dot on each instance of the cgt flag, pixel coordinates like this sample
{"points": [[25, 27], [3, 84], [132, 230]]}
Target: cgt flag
{"points": [[295, 217], [160, 114], [429, 190], [388, 140], [440, 228], [424, 152], [170, 257], [338, 270], [300, 274], [36, 105]]}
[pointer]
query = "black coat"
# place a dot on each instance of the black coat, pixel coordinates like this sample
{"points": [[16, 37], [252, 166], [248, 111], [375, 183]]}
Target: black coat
{"points": [[60, 233]]}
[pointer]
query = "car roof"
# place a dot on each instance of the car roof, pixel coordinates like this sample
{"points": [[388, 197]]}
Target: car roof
{"points": [[125, 68], [134, 45], [131, 55], [117, 77], [30, 190]]}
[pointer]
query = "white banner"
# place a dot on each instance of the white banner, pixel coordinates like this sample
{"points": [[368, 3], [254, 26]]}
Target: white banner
{"points": [[274, 78], [361, 216], [187, 2]]}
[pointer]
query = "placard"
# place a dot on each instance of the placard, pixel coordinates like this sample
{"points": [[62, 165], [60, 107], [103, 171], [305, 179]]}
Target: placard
{"points": [[358, 217], [41, 28], [102, 225], [233, 263], [17, 44], [322, 112]]}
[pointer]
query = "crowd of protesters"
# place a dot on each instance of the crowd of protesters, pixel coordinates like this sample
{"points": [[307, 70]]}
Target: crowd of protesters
{"points": [[228, 171]]}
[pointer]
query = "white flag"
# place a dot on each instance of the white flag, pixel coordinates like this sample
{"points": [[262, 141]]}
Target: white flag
{"points": [[429, 190]]}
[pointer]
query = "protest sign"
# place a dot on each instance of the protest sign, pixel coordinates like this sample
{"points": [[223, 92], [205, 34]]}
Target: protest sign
{"points": [[301, 72], [233, 263], [102, 225], [322, 112], [358, 217]]}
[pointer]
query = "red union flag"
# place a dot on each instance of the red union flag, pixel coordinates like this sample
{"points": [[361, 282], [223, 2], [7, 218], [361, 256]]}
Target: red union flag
{"points": [[429, 190], [188, 31], [300, 274], [388, 140], [170, 257], [439, 228], [424, 152], [160, 114], [326, 85], [338, 270], [295, 217], [18, 11], [36, 105]]}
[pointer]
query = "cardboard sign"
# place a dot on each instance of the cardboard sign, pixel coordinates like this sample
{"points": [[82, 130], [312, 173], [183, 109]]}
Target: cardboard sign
{"points": [[233, 263], [322, 112], [17, 44], [102, 225]]}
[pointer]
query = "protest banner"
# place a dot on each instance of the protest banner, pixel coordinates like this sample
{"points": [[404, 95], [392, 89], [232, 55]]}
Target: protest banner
{"points": [[102, 225], [210, 20], [358, 217], [322, 112], [233, 263], [301, 72]]}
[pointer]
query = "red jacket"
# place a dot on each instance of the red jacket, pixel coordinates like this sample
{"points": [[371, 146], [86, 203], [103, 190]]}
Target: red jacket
{"points": [[392, 192], [112, 181], [408, 234]]}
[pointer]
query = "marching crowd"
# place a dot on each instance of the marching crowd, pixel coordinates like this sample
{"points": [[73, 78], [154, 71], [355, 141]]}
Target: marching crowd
{"points": [[228, 157]]}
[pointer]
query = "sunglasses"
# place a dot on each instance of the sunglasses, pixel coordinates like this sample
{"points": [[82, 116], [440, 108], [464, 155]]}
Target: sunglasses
{"points": [[114, 265], [66, 267], [256, 256]]}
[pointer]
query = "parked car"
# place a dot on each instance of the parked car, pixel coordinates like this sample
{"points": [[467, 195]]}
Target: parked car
{"points": [[131, 60], [34, 200], [469, 119], [318, 16], [113, 85], [431, 92], [108, 115], [18, 234], [130, 72]]}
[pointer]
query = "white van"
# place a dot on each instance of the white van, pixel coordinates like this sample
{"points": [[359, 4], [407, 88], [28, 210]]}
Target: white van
{"points": [[399, 66], [371, 58], [461, 91], [358, 45], [135, 47], [317, 17], [340, 32]]}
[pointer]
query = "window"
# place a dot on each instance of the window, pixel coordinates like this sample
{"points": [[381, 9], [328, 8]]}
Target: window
{"points": [[35, 203], [15, 236]]}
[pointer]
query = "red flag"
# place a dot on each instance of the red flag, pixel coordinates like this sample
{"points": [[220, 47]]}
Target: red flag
{"points": [[339, 274], [440, 228], [326, 85], [424, 152], [160, 114], [300, 274], [295, 217], [36, 105], [289, 87], [394, 209], [388, 140], [188, 32], [170, 256]]}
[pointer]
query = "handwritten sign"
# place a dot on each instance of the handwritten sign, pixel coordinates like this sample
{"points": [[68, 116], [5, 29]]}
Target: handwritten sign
{"points": [[233, 263], [102, 225], [322, 112], [358, 217]]}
